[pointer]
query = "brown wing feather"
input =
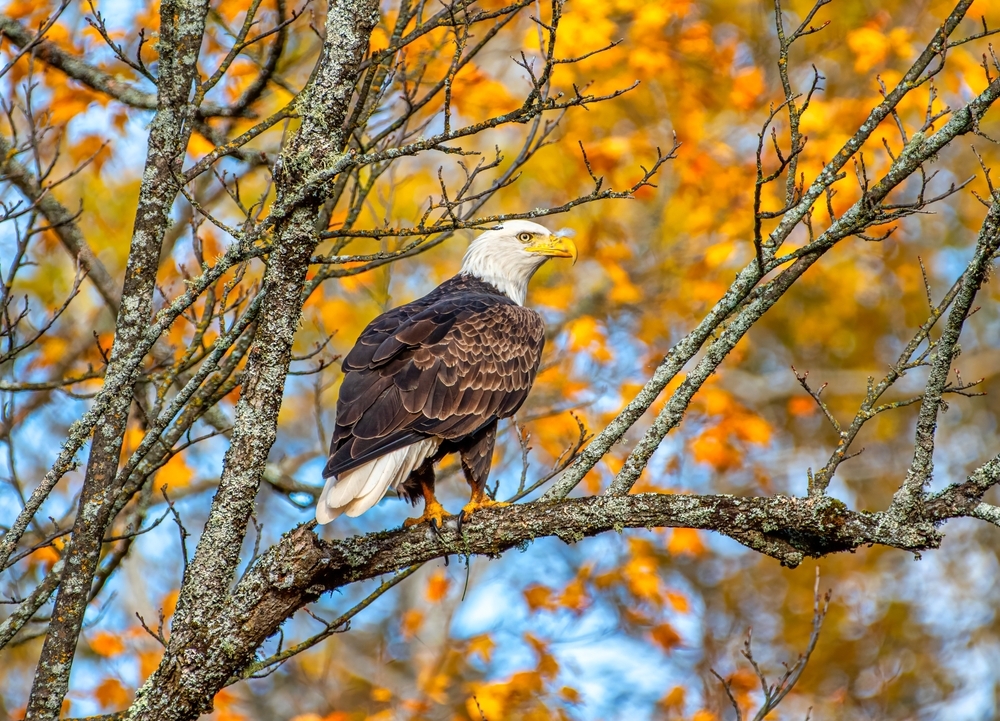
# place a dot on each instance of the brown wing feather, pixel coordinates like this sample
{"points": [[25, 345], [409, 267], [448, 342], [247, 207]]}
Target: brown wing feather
{"points": [[447, 367]]}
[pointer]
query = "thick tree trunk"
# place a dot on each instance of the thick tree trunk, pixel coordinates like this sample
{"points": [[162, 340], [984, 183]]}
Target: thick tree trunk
{"points": [[182, 24], [195, 665]]}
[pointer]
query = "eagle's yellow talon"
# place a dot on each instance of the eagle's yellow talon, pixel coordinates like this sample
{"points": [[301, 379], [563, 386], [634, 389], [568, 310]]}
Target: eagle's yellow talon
{"points": [[433, 512], [474, 505]]}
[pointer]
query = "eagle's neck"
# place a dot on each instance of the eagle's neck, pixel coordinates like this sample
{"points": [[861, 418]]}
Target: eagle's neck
{"points": [[508, 272]]}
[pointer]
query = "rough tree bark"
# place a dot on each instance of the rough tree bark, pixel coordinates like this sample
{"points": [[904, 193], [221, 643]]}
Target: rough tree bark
{"points": [[220, 623], [195, 664], [182, 24]]}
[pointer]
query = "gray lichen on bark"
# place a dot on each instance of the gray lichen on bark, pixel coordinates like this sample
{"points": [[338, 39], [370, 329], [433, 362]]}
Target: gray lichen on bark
{"points": [[182, 28], [323, 106]]}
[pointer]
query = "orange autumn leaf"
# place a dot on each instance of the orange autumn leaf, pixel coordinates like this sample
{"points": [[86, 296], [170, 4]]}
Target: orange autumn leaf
{"points": [[169, 603], [411, 623], [476, 95], [665, 636], [91, 148], [225, 702], [678, 601], [18, 9], [437, 586], [538, 597], [801, 406], [574, 596], [753, 429], [569, 695], [643, 579], [105, 643], [175, 473], [743, 680], [548, 666], [711, 449], [46, 556], [148, 661], [748, 86], [685, 541], [111, 694], [68, 108], [623, 290]]}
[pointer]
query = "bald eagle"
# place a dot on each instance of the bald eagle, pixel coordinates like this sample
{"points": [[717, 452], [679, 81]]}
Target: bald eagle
{"points": [[434, 376]]}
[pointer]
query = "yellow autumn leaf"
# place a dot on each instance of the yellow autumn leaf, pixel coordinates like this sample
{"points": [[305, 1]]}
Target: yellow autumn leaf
{"points": [[482, 646], [870, 47], [717, 254], [674, 700], [488, 702], [582, 332], [199, 145]]}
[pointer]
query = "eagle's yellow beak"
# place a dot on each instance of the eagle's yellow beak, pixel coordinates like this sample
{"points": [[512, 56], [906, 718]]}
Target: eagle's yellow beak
{"points": [[554, 246]]}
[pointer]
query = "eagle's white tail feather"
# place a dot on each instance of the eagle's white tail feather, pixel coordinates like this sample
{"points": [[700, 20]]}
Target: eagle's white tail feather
{"points": [[357, 490]]}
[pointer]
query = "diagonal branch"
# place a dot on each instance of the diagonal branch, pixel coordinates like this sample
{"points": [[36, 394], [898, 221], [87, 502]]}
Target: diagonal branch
{"points": [[907, 498]]}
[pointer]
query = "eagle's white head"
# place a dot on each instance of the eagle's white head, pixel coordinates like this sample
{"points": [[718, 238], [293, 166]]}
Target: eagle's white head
{"points": [[508, 255]]}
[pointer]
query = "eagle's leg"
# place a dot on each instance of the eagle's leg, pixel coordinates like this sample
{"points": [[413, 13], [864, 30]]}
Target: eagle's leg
{"points": [[422, 481], [476, 459]]}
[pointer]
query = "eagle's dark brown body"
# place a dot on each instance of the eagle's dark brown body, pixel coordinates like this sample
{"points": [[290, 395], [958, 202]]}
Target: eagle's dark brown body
{"points": [[443, 369]]}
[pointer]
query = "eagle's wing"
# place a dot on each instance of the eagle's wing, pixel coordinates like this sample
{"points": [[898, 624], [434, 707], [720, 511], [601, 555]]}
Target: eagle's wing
{"points": [[445, 371]]}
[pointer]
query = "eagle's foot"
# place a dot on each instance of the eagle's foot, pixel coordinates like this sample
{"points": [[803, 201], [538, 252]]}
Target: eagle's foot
{"points": [[433, 512], [475, 504]]}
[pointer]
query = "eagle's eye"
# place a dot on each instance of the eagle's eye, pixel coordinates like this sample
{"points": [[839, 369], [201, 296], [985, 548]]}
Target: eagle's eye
{"points": [[524, 237]]}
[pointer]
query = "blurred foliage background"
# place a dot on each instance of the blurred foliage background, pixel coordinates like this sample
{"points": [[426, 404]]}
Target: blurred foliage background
{"points": [[613, 627]]}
